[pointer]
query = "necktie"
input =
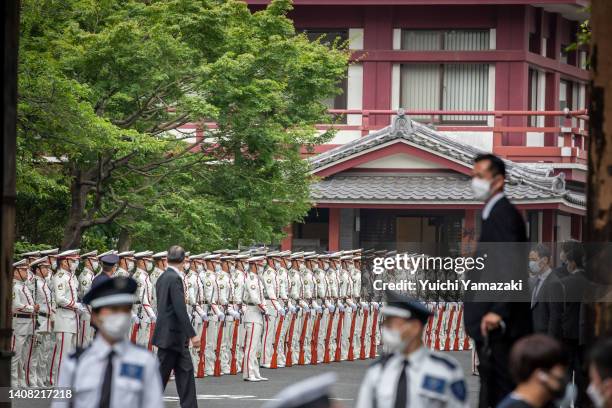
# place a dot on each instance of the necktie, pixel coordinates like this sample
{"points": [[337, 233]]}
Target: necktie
{"points": [[535, 291], [105, 396], [401, 396]]}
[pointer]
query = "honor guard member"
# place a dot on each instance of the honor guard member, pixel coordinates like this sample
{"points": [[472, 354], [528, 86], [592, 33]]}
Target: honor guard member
{"points": [[361, 322], [108, 262], [307, 294], [200, 267], [24, 321], [411, 375], [90, 266], [314, 392], [222, 290], [253, 320], [111, 372], [67, 309], [274, 310], [318, 272], [144, 293], [160, 265], [350, 310], [333, 284], [215, 315], [43, 344], [232, 316], [239, 277], [29, 258], [193, 300], [295, 287], [126, 264], [278, 263]]}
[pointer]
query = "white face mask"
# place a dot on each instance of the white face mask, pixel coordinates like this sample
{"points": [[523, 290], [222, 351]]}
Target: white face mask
{"points": [[200, 268], [277, 264], [186, 266], [94, 265], [130, 265], [73, 266], [481, 188], [54, 264], [218, 268], [596, 396], [393, 340], [232, 269], [260, 269], [116, 325], [534, 267]]}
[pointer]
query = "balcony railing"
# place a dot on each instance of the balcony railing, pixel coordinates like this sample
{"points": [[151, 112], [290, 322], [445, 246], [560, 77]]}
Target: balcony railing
{"points": [[509, 130]]}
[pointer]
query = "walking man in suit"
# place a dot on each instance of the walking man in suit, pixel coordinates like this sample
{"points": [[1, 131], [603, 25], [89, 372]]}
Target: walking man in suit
{"points": [[547, 293], [174, 331], [493, 322]]}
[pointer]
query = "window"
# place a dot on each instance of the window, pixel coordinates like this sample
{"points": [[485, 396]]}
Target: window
{"points": [[565, 95], [533, 95], [445, 40], [328, 37], [446, 87]]}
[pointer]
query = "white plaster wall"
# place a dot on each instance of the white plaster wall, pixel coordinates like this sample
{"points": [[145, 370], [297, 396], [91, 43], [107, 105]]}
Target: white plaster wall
{"points": [[480, 140], [564, 227], [354, 97], [355, 36], [400, 161]]}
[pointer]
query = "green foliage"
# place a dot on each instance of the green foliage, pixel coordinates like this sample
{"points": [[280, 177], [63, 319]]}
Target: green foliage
{"points": [[105, 87]]}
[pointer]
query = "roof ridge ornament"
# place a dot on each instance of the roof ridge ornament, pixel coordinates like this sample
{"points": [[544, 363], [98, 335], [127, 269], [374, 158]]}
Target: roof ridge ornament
{"points": [[401, 123]]}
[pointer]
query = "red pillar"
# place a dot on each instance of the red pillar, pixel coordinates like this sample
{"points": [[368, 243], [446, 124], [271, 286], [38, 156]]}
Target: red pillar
{"points": [[576, 231], [334, 229], [548, 226], [287, 241]]}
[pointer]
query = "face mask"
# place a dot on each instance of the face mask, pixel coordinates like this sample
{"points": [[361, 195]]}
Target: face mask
{"points": [[73, 266], [481, 188], [200, 268], [95, 265], [116, 325], [218, 268], [393, 340], [568, 396], [186, 266], [260, 269], [596, 396], [277, 265], [232, 269], [130, 265], [534, 267], [54, 265]]}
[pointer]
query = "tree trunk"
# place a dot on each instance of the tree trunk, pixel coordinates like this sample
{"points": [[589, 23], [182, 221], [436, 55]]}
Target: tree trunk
{"points": [[599, 188], [125, 240], [73, 232]]}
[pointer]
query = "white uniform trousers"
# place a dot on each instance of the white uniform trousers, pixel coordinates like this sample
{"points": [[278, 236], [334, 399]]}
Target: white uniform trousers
{"points": [[145, 334], [252, 341], [297, 334], [291, 336], [85, 331], [281, 352], [233, 339], [226, 345], [306, 336], [212, 351], [269, 331], [65, 343], [21, 364], [322, 335], [41, 358], [359, 333], [332, 333], [346, 332]]}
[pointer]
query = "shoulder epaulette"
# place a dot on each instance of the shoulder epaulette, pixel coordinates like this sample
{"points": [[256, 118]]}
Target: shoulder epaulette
{"points": [[382, 360], [443, 360], [78, 352]]}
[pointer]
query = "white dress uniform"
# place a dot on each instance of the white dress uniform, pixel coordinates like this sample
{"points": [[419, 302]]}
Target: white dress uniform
{"points": [[67, 311], [147, 314], [121, 272], [215, 315], [434, 380], [237, 339], [307, 290], [293, 333], [204, 307], [275, 310], [284, 322], [155, 274], [136, 380], [350, 309], [43, 345], [361, 318], [332, 324], [225, 330], [85, 330], [23, 335], [253, 321], [321, 295]]}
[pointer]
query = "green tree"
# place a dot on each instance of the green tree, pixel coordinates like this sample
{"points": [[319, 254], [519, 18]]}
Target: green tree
{"points": [[105, 87]]}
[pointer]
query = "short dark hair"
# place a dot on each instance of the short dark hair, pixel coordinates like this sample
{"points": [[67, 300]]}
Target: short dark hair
{"points": [[107, 267], [496, 165], [566, 246], [601, 358], [542, 250], [537, 351], [575, 254], [176, 254]]}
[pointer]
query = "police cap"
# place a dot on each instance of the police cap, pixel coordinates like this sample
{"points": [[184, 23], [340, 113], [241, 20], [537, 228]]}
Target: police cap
{"points": [[403, 306], [112, 292]]}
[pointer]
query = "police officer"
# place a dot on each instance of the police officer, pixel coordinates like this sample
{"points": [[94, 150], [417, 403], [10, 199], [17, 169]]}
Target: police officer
{"points": [[109, 261], [90, 267], [144, 292], [126, 264], [411, 375], [253, 320], [111, 372], [24, 318]]}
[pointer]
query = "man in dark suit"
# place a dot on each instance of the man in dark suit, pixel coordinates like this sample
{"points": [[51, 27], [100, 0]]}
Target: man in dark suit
{"points": [[173, 330], [491, 319], [546, 293]]}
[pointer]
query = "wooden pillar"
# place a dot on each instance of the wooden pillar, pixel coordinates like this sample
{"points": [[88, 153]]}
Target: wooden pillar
{"points": [[334, 229], [548, 225], [287, 241]]}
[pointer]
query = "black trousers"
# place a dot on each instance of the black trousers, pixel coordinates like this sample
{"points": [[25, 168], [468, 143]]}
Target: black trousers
{"points": [[180, 362], [495, 380]]}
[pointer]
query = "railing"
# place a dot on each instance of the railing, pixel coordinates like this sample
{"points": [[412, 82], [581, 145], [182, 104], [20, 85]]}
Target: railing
{"points": [[509, 130]]}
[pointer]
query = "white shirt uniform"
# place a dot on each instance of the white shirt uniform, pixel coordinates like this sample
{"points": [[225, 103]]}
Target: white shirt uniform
{"points": [[435, 380], [85, 332], [136, 380], [23, 330], [270, 286], [253, 323], [147, 316], [43, 346]]}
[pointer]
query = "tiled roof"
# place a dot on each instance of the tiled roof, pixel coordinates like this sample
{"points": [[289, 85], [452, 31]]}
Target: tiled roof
{"points": [[524, 182], [403, 188]]}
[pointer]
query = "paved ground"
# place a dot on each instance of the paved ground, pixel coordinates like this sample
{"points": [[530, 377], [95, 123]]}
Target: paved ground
{"points": [[231, 392]]}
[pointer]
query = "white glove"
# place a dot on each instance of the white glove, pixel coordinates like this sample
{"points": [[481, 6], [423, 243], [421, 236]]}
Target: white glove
{"points": [[229, 318], [221, 316], [365, 306], [292, 309], [204, 317], [319, 309], [235, 314], [306, 309], [331, 308], [341, 308], [375, 305], [82, 308], [281, 311], [153, 319], [354, 307], [135, 319]]}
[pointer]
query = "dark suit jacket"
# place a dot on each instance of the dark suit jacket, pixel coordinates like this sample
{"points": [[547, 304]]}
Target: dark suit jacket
{"points": [[505, 261], [572, 323], [547, 309], [173, 327]]}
